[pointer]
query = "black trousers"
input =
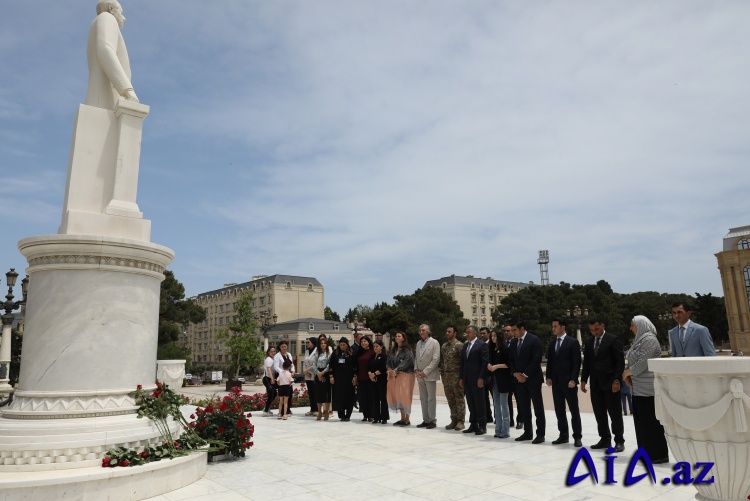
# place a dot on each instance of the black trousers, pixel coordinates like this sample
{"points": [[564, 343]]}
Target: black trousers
{"points": [[605, 402], [561, 396], [379, 400], [648, 430], [529, 393], [475, 401], [311, 393], [271, 392], [363, 397]]}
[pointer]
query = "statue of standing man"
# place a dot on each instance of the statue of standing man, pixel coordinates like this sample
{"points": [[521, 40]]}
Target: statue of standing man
{"points": [[107, 56]]}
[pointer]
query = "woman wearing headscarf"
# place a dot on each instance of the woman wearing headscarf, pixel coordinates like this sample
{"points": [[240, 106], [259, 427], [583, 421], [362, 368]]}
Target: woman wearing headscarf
{"points": [[401, 377], [308, 370], [343, 378], [649, 432]]}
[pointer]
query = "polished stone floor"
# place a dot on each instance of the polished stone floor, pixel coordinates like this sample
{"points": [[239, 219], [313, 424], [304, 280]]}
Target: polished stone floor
{"points": [[305, 459]]}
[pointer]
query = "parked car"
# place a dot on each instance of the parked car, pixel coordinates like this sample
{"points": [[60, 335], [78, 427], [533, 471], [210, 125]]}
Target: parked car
{"points": [[240, 379], [188, 376], [194, 381]]}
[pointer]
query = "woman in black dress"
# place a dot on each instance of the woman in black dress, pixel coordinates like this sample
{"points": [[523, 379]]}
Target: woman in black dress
{"points": [[376, 370], [343, 376], [363, 356]]}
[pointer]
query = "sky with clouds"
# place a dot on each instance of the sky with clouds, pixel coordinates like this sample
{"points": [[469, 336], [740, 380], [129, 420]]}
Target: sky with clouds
{"points": [[378, 145]]}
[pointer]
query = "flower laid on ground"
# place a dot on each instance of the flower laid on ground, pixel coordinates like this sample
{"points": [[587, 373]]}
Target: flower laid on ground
{"points": [[159, 406], [257, 401], [225, 420]]}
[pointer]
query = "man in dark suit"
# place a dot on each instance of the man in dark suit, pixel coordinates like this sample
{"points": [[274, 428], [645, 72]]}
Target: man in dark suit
{"points": [[474, 359], [526, 366], [603, 362], [563, 365]]}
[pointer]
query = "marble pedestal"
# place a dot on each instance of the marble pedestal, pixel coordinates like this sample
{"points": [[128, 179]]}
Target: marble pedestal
{"points": [[90, 338], [171, 373], [704, 406]]}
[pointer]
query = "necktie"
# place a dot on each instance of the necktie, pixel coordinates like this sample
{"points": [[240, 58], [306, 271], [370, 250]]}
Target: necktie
{"points": [[682, 335], [469, 349], [596, 344], [559, 342], [520, 342]]}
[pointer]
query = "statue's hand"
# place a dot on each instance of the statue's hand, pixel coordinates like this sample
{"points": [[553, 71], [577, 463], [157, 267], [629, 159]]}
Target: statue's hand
{"points": [[129, 95]]}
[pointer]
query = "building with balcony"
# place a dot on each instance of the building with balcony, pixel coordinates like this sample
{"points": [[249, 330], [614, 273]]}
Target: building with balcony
{"points": [[734, 267]]}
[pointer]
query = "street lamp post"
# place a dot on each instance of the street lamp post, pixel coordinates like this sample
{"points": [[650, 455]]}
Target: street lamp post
{"points": [[666, 317], [266, 322], [577, 317], [9, 306]]}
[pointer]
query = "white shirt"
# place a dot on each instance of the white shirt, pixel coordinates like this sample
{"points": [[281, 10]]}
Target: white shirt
{"points": [[278, 363]]}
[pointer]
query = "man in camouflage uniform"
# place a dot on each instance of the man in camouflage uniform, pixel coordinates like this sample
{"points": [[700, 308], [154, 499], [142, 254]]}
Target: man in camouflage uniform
{"points": [[450, 360]]}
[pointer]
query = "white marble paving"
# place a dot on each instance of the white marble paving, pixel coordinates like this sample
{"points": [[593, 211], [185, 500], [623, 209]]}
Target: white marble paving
{"points": [[356, 461]]}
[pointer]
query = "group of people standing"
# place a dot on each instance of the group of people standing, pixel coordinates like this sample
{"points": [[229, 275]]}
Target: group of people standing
{"points": [[504, 364]]}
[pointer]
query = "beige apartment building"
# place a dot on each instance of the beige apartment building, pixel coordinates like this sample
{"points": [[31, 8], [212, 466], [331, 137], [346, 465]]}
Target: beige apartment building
{"points": [[734, 266], [286, 296], [477, 297]]}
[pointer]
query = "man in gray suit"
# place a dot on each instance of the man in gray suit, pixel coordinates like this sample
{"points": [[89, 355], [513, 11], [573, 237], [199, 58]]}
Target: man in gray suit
{"points": [[426, 367], [688, 338]]}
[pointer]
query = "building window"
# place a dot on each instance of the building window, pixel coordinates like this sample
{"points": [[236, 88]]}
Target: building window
{"points": [[335, 327], [289, 285], [481, 298], [743, 244], [309, 287], [262, 301], [747, 282], [484, 310], [311, 327], [445, 285], [472, 285], [473, 297], [492, 298], [253, 303], [484, 323], [473, 310]]}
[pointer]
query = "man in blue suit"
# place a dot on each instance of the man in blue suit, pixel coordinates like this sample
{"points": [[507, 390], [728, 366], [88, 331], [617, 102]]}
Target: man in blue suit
{"points": [[474, 360], [526, 366], [688, 338], [563, 366]]}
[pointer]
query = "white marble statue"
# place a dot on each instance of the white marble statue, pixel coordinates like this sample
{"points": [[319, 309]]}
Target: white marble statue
{"points": [[109, 65]]}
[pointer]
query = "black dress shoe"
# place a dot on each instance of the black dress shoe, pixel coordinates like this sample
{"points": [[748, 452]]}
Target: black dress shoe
{"points": [[470, 429], [519, 426], [431, 426], [524, 437], [578, 443], [480, 432], [601, 444], [538, 440], [423, 424], [619, 446], [561, 440]]}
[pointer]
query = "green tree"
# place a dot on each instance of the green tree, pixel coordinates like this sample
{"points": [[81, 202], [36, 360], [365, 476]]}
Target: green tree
{"points": [[174, 351], [329, 314], [240, 337], [175, 313], [430, 305]]}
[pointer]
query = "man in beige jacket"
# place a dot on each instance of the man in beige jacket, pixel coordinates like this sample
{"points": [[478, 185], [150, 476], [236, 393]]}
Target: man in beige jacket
{"points": [[426, 366]]}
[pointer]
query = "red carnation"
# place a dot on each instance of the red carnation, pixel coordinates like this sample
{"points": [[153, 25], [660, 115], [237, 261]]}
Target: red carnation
{"points": [[124, 462], [158, 384], [221, 430], [139, 387]]}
